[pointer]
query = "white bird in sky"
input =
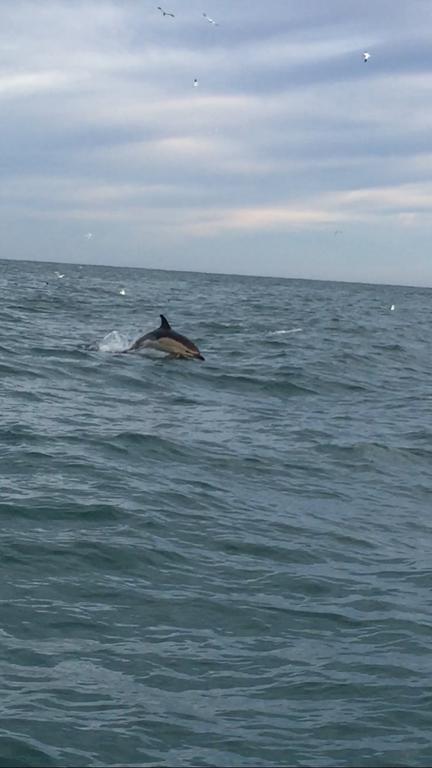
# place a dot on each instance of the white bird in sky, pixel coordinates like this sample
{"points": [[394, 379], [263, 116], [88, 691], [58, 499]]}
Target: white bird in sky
{"points": [[88, 235], [165, 13], [366, 56], [210, 21]]}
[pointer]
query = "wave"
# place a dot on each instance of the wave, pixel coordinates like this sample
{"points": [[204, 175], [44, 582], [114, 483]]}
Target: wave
{"points": [[184, 543], [266, 385]]}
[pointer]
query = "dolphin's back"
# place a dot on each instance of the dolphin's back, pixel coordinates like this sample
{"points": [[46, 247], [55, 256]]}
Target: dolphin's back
{"points": [[163, 330], [167, 340]]}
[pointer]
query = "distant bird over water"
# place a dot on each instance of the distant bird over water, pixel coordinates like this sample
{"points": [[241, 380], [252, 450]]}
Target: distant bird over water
{"points": [[88, 235], [366, 56], [210, 21], [165, 13]]}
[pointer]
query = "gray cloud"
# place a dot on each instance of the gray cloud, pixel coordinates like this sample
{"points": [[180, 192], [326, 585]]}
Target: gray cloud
{"points": [[288, 136]]}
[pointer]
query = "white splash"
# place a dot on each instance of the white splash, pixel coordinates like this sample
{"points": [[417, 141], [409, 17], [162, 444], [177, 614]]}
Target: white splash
{"points": [[289, 330], [114, 342]]}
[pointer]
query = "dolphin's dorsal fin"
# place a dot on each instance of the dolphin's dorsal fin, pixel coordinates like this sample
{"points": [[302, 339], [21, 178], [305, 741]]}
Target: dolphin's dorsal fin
{"points": [[164, 323]]}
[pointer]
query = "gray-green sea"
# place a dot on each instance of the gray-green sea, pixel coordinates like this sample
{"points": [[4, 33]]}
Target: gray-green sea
{"points": [[219, 563]]}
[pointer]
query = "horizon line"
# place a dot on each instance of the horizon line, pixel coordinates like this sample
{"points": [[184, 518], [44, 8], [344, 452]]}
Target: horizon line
{"points": [[221, 274]]}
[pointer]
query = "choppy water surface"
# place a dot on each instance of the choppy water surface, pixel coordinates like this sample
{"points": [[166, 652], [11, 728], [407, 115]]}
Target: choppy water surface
{"points": [[221, 563]]}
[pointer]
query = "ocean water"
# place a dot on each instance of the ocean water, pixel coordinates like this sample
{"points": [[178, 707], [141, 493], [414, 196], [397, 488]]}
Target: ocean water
{"points": [[223, 563]]}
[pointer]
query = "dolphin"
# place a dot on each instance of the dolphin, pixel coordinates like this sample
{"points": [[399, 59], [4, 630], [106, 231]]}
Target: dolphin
{"points": [[167, 340]]}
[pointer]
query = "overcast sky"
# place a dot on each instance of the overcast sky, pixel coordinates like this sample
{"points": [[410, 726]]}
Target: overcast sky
{"points": [[291, 157]]}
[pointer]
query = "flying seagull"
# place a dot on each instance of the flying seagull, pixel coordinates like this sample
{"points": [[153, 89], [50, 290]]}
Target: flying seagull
{"points": [[165, 13], [210, 21], [366, 56]]}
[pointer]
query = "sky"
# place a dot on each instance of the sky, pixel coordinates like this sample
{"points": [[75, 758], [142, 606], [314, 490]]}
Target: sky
{"points": [[291, 157]]}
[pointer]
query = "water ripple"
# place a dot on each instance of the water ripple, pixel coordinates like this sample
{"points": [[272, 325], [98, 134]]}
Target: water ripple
{"points": [[224, 563]]}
